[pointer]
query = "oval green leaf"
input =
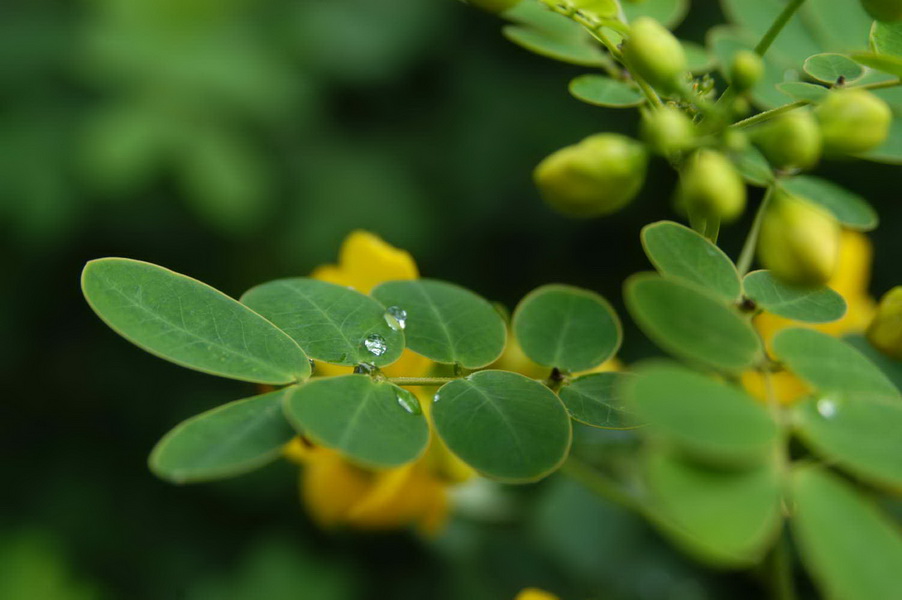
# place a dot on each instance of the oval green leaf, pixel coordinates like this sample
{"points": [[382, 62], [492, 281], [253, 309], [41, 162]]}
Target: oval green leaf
{"points": [[849, 208], [753, 167], [677, 251], [373, 423], [229, 440], [799, 90], [689, 323], [190, 323], [667, 12], [830, 67], [831, 365], [577, 50], [596, 400], [331, 322], [705, 418], [600, 90], [860, 436], [886, 38], [885, 63], [851, 548], [566, 327], [726, 518], [445, 322], [812, 305], [504, 425]]}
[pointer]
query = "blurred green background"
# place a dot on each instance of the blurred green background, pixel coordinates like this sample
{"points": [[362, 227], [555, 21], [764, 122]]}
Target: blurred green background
{"points": [[238, 141]]}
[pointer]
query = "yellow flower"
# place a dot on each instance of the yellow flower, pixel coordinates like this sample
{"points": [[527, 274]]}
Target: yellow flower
{"points": [[851, 280], [337, 492], [535, 594]]}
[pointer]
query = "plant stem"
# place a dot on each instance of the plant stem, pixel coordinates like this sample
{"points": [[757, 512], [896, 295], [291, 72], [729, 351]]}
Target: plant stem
{"points": [[424, 381], [751, 241], [599, 484], [781, 571], [769, 114], [777, 26]]}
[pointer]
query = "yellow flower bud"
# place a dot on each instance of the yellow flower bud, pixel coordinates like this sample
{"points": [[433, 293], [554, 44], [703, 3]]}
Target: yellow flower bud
{"points": [[885, 331], [711, 187], [595, 177], [668, 131], [791, 140], [853, 121], [654, 54], [799, 241], [746, 70], [493, 6], [884, 10]]}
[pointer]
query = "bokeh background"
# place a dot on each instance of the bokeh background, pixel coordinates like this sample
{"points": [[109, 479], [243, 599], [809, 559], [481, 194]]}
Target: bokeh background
{"points": [[239, 141]]}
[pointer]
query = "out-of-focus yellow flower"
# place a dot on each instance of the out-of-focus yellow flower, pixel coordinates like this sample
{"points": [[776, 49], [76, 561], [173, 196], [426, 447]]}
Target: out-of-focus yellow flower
{"points": [[851, 280], [339, 493], [535, 594]]}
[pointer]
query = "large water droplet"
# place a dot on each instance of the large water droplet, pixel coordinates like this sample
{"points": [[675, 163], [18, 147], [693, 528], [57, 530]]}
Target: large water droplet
{"points": [[396, 317], [375, 344], [365, 369], [827, 408], [408, 402]]}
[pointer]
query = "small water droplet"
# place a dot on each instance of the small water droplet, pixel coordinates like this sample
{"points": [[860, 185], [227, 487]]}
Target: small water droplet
{"points": [[396, 317], [408, 402], [365, 369], [827, 408], [436, 398], [375, 344]]}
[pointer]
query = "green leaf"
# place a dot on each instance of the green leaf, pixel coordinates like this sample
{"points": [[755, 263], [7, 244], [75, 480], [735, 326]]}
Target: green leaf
{"points": [[689, 323], [839, 26], [604, 91], [331, 322], [705, 418], [725, 42], [600, 9], [190, 323], [595, 400], [885, 63], [888, 366], [850, 547], [830, 67], [578, 51], [831, 365], [445, 322], [799, 90], [504, 425], [812, 305], [886, 38], [667, 12], [229, 440], [698, 61], [849, 208], [566, 327], [795, 42], [753, 167], [677, 251], [863, 437], [374, 423], [728, 518]]}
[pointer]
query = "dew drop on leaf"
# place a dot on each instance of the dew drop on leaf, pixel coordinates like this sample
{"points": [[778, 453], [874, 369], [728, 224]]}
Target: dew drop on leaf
{"points": [[409, 402], [396, 317], [375, 344], [826, 407]]}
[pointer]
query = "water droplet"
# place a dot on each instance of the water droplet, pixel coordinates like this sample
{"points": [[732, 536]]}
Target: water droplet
{"points": [[365, 369], [375, 344], [408, 402], [827, 408], [436, 398], [396, 317]]}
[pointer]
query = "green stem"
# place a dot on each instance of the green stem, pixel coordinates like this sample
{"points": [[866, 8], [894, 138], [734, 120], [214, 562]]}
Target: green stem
{"points": [[424, 381], [751, 241], [596, 482], [781, 571], [769, 114], [777, 26]]}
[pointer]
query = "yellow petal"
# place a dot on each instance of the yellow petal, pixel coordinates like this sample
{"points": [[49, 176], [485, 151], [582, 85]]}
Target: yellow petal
{"points": [[788, 388], [331, 486], [366, 261], [297, 450], [399, 497], [535, 594], [410, 364]]}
